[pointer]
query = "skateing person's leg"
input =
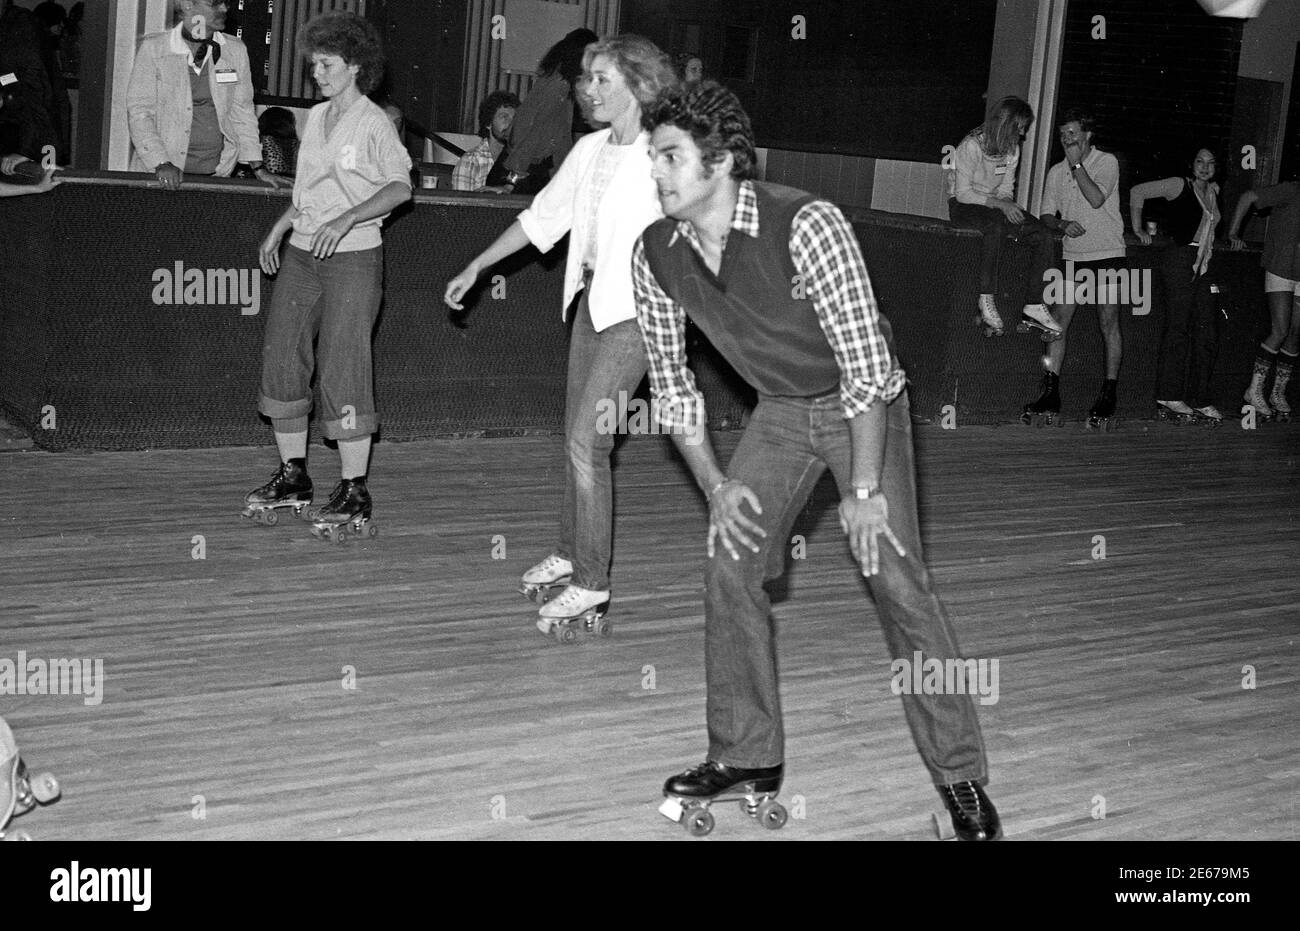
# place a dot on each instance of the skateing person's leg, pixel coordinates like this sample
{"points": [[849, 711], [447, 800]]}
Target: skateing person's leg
{"points": [[604, 371], [288, 361], [775, 462], [945, 727], [353, 292]]}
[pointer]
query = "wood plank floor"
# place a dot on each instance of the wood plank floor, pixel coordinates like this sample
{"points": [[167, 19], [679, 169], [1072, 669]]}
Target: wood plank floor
{"points": [[224, 712]]}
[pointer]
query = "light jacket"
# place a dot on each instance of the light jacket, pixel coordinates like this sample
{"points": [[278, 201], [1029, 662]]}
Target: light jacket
{"points": [[159, 107], [630, 204]]}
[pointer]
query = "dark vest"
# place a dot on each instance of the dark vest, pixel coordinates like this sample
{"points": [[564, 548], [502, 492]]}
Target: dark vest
{"points": [[750, 311], [1183, 215]]}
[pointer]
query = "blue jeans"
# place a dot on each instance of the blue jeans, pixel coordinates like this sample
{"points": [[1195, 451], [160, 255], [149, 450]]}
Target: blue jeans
{"points": [[788, 445], [600, 366], [333, 302]]}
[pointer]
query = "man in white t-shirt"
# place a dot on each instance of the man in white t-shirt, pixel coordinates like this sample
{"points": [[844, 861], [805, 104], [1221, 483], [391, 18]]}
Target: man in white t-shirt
{"points": [[1081, 199]]}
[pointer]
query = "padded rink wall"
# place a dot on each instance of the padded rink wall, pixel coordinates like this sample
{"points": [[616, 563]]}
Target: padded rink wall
{"points": [[89, 360]]}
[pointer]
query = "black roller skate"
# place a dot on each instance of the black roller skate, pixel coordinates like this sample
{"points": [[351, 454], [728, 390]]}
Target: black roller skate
{"points": [[1102, 414], [347, 513], [687, 796], [289, 487], [971, 816], [1047, 409]]}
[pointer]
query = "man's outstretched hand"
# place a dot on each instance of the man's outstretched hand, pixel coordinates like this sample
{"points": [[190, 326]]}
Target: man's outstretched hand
{"points": [[864, 521]]}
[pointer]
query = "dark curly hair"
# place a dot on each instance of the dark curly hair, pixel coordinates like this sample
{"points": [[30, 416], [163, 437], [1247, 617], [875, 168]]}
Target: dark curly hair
{"points": [[714, 118], [489, 107], [565, 56], [352, 38]]}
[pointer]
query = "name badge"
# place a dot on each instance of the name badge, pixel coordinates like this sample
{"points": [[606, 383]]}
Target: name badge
{"points": [[7, 79], [227, 77], [1000, 170]]}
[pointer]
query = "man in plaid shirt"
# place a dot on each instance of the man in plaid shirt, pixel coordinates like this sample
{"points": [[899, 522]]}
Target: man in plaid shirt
{"points": [[776, 281]]}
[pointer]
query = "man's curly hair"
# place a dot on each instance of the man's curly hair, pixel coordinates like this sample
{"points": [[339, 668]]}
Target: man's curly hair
{"points": [[487, 110], [352, 38], [714, 118]]}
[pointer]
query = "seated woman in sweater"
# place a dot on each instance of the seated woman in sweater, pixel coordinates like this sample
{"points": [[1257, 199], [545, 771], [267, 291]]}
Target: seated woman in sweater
{"points": [[981, 191]]}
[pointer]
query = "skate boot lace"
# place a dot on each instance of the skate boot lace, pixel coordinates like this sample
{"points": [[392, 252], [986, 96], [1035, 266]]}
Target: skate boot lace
{"points": [[968, 800]]}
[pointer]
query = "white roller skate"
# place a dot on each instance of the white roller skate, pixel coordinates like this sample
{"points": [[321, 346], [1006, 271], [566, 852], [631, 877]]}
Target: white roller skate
{"points": [[989, 318], [1281, 409], [1038, 317], [540, 582], [575, 611]]}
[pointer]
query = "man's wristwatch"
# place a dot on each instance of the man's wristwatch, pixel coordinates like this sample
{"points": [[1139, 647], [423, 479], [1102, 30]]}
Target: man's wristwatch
{"points": [[1074, 168], [866, 492]]}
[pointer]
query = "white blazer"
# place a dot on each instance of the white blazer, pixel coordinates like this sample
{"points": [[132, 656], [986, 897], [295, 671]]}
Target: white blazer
{"points": [[630, 204]]}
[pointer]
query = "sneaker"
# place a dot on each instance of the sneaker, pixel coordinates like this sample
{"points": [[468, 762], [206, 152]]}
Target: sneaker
{"points": [[1039, 314], [1178, 407], [568, 604]]}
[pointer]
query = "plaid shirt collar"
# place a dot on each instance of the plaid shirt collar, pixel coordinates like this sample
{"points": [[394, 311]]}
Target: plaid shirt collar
{"points": [[744, 220]]}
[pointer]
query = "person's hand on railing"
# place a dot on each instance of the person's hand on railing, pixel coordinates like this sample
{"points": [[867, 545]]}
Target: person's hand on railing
{"points": [[169, 176]]}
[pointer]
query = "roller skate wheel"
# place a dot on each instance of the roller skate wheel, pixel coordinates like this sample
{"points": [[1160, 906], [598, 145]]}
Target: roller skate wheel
{"points": [[604, 628], [943, 826], [699, 823], [1023, 327], [563, 633], [339, 535], [772, 814], [372, 531], [46, 788], [270, 518]]}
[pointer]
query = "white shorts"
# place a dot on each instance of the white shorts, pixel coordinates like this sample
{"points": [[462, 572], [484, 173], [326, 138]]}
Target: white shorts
{"points": [[1274, 283]]}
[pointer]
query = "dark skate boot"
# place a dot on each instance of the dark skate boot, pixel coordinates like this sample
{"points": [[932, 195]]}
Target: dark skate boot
{"points": [[289, 487], [1101, 417], [973, 815], [688, 795], [1047, 409], [347, 513]]}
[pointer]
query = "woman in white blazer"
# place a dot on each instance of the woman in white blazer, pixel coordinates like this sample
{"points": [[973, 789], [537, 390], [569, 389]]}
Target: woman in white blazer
{"points": [[603, 197]]}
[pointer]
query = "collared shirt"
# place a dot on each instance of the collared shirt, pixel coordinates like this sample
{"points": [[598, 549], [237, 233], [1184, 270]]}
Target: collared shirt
{"points": [[472, 169], [1103, 236], [826, 254], [360, 157], [181, 47]]}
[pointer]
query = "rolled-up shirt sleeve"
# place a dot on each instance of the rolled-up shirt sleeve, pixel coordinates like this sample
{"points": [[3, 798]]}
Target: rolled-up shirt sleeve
{"points": [[550, 215], [677, 401], [826, 253]]}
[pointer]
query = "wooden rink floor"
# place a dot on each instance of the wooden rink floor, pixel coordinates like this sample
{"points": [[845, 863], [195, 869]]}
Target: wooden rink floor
{"points": [[224, 710]]}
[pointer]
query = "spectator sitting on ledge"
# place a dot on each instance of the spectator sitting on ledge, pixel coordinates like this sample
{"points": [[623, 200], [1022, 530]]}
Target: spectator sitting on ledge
{"points": [[981, 189], [495, 115]]}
